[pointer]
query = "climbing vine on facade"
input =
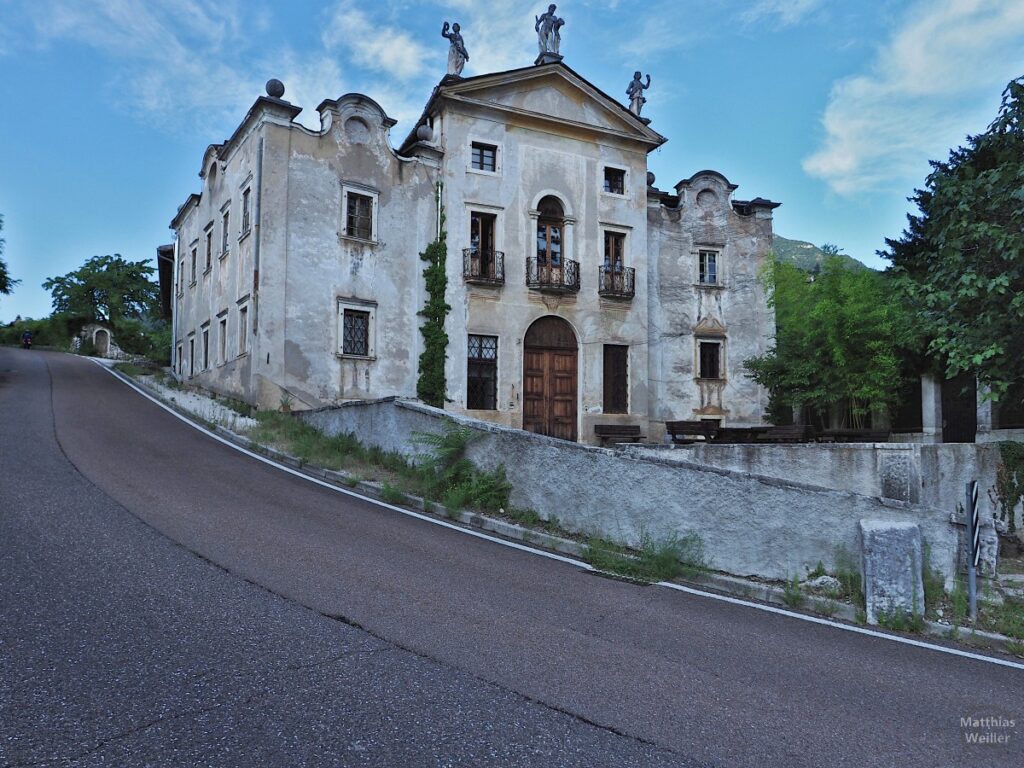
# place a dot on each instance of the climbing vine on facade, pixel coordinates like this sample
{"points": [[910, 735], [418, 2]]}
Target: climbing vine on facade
{"points": [[431, 386], [1010, 481]]}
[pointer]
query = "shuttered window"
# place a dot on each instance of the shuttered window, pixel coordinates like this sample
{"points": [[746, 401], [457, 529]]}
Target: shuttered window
{"points": [[616, 378]]}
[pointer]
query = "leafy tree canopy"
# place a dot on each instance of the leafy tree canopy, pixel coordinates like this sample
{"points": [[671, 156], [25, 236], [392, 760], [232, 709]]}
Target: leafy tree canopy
{"points": [[961, 260], [841, 336], [107, 289], [7, 282]]}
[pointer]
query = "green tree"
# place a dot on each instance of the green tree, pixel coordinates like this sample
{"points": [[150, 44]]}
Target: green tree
{"points": [[107, 289], [961, 259], [114, 291], [7, 282], [841, 337]]}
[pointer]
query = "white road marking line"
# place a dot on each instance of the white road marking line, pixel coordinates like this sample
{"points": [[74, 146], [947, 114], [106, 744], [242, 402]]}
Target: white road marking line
{"points": [[346, 491], [562, 558]]}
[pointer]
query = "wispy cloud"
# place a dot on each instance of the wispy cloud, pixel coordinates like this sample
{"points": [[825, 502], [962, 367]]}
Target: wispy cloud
{"points": [[500, 36], [374, 45], [938, 78], [785, 13]]}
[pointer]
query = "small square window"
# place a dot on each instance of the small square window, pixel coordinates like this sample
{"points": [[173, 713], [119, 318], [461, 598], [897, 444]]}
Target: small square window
{"points": [[615, 181], [355, 333], [484, 157], [710, 353], [482, 373], [359, 216], [708, 267]]}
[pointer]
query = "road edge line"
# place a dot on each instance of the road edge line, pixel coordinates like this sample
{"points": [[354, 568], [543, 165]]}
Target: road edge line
{"points": [[553, 556]]}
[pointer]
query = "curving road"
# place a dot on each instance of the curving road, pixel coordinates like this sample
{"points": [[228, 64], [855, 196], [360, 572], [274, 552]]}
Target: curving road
{"points": [[168, 601]]}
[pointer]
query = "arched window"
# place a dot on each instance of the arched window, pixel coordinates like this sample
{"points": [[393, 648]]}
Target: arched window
{"points": [[550, 226]]}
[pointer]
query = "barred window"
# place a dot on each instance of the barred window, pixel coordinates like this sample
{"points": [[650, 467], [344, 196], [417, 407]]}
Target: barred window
{"points": [[482, 373], [359, 216], [355, 333]]}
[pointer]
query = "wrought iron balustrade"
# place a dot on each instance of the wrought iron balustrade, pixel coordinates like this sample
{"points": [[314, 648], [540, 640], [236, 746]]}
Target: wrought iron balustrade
{"points": [[616, 282], [485, 267], [560, 277]]}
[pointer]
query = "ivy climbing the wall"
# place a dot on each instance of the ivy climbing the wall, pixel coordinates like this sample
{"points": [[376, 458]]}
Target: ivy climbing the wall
{"points": [[1010, 481], [430, 386]]}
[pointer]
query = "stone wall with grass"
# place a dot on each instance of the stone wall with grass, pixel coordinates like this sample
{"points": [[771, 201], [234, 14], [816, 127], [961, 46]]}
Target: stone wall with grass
{"points": [[751, 525]]}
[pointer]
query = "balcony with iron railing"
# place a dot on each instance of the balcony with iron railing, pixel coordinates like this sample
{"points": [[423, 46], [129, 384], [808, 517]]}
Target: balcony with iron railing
{"points": [[560, 277], [483, 267], [616, 282]]}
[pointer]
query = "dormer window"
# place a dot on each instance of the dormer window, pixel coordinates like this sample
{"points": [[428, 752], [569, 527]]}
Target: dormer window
{"points": [[615, 181], [484, 157]]}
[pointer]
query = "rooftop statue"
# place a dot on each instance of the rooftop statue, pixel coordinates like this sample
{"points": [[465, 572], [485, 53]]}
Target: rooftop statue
{"points": [[635, 92], [547, 26], [457, 55]]}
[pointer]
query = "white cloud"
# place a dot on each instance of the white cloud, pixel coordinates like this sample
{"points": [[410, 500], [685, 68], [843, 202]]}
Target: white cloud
{"points": [[375, 46], [938, 78], [785, 12], [500, 36]]}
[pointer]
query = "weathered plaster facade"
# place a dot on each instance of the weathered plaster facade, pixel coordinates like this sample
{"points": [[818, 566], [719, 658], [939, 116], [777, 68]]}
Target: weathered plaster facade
{"points": [[509, 156]]}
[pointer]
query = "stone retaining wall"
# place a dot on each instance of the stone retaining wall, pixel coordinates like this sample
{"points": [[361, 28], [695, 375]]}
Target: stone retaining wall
{"points": [[751, 524]]}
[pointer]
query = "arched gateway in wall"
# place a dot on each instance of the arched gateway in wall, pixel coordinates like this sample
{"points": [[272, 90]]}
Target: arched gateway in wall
{"points": [[549, 378]]}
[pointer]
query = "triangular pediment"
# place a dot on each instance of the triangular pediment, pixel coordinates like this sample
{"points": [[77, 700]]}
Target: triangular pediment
{"points": [[552, 93], [709, 326]]}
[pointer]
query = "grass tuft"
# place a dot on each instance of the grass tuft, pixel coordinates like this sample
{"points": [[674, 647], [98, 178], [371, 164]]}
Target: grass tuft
{"points": [[655, 559]]}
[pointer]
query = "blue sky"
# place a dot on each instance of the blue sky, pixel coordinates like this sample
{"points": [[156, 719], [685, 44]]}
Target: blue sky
{"points": [[831, 107]]}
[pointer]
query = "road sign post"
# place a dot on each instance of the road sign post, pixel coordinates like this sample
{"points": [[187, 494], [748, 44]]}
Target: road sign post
{"points": [[973, 546]]}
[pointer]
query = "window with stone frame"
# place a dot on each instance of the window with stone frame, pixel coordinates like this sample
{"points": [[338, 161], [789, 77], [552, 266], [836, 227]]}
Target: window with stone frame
{"points": [[482, 373], [355, 332], [709, 355], [359, 216], [225, 229], [246, 214], [484, 157], [708, 267], [195, 256], [209, 248], [616, 378], [243, 329], [614, 181], [206, 347]]}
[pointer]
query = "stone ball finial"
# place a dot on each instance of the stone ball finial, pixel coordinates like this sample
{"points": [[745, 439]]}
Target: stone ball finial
{"points": [[275, 88], [425, 133], [650, 179]]}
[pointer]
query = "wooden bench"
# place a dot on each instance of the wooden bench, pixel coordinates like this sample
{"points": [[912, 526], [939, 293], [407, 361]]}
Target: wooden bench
{"points": [[739, 435], [790, 433], [618, 433], [684, 432]]}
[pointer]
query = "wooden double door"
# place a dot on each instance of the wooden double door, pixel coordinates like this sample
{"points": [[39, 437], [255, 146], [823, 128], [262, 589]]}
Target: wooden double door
{"points": [[549, 379]]}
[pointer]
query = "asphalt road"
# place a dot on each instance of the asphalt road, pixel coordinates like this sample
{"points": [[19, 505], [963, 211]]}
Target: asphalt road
{"points": [[167, 601]]}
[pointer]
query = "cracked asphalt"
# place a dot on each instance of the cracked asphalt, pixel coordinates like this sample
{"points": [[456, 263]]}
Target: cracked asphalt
{"points": [[166, 601]]}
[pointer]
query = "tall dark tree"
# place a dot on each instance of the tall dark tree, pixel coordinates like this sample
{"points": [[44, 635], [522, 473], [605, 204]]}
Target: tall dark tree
{"points": [[961, 258]]}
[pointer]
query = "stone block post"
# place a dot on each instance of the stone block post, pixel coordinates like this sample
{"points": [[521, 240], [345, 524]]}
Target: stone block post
{"points": [[892, 569]]}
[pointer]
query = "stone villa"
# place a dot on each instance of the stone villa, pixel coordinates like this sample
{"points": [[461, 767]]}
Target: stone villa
{"points": [[580, 293]]}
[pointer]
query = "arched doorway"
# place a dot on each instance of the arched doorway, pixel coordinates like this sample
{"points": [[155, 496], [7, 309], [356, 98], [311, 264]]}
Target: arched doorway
{"points": [[101, 341], [549, 378]]}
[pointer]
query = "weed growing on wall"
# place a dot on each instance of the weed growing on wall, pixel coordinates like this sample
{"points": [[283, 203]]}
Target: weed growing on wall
{"points": [[430, 385], [654, 560], [1010, 481]]}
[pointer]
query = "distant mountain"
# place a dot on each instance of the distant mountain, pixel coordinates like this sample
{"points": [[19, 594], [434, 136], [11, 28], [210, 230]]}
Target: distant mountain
{"points": [[807, 256]]}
